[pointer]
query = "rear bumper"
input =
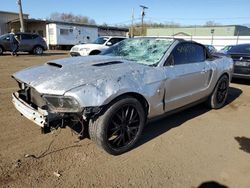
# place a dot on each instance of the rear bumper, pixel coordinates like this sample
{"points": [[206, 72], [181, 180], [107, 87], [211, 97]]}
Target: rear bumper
{"points": [[39, 116], [241, 72]]}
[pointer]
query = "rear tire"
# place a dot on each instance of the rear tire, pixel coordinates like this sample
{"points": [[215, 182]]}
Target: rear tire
{"points": [[219, 96], [119, 127], [38, 50]]}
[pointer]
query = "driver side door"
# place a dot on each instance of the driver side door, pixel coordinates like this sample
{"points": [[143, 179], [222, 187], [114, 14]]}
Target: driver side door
{"points": [[185, 70]]}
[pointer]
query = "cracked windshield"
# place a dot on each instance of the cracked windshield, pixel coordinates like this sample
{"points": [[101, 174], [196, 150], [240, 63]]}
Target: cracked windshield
{"points": [[141, 50]]}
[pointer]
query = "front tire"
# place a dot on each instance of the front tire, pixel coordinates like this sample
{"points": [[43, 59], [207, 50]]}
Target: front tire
{"points": [[38, 50], [119, 128], [219, 96]]}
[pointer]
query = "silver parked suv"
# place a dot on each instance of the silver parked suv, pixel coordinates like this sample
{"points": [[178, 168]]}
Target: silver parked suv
{"points": [[31, 43]]}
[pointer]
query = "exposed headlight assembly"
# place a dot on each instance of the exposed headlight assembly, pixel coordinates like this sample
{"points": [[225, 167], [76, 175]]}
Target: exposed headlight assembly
{"points": [[62, 104]]}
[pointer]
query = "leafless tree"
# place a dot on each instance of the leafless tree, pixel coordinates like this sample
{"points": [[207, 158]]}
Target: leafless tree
{"points": [[211, 23], [69, 17]]}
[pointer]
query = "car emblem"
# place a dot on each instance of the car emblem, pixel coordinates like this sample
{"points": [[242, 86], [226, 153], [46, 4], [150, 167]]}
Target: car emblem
{"points": [[241, 58]]}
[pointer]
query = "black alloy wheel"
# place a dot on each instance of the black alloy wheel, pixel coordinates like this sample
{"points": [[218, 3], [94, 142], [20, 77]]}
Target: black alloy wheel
{"points": [[120, 125], [123, 127], [219, 95], [222, 91]]}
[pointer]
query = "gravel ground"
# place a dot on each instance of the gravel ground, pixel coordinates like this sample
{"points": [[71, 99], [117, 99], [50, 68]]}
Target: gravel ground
{"points": [[184, 150]]}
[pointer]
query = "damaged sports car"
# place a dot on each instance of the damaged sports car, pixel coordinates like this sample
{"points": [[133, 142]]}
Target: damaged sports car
{"points": [[113, 95]]}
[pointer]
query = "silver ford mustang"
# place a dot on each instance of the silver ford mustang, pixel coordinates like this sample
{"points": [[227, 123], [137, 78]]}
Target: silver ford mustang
{"points": [[114, 94]]}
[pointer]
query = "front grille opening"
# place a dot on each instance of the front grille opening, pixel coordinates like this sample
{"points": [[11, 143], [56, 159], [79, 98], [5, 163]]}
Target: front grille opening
{"points": [[32, 97], [240, 57], [24, 95]]}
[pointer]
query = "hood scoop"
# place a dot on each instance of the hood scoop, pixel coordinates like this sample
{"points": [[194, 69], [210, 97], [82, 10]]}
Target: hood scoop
{"points": [[106, 63], [54, 64]]}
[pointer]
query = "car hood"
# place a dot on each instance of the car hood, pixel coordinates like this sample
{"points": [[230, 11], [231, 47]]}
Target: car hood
{"points": [[91, 46], [59, 76]]}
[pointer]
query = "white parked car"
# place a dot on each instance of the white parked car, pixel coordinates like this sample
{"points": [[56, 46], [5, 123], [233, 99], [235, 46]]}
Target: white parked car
{"points": [[99, 45]]}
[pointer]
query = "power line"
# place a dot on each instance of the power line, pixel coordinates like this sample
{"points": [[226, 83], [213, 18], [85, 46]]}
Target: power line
{"points": [[126, 21], [211, 18]]}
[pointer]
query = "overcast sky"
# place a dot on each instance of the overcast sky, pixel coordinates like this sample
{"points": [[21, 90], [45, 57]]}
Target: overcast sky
{"points": [[186, 12]]}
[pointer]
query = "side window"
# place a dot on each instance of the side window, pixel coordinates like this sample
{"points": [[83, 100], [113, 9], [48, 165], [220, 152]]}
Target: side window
{"points": [[26, 36], [34, 36], [119, 39], [197, 54], [244, 49], [7, 38], [64, 32], [186, 53], [247, 49], [115, 40]]}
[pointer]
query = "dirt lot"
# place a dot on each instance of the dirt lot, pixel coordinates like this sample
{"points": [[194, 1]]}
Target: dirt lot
{"points": [[184, 150]]}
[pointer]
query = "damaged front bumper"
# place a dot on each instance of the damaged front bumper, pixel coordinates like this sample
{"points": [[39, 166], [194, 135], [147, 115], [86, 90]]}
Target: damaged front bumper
{"points": [[46, 120], [38, 116]]}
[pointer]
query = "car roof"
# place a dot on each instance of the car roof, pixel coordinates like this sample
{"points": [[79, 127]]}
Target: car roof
{"points": [[153, 37], [26, 33], [247, 44]]}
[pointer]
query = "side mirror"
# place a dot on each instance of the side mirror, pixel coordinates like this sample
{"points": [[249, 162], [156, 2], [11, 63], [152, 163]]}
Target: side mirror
{"points": [[109, 44]]}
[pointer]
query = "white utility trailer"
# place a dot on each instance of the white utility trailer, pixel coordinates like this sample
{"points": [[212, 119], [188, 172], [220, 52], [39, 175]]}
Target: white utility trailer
{"points": [[66, 35]]}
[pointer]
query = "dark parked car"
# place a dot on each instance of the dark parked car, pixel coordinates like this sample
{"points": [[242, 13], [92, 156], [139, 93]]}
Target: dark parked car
{"points": [[31, 43], [226, 48], [241, 56]]}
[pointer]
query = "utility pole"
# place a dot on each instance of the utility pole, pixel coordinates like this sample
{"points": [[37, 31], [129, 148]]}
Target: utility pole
{"points": [[238, 34], [19, 2], [212, 32], [132, 25], [142, 17]]}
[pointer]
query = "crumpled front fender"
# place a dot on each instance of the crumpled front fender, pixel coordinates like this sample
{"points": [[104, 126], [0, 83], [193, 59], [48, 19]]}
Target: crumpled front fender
{"points": [[103, 91], [148, 83]]}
